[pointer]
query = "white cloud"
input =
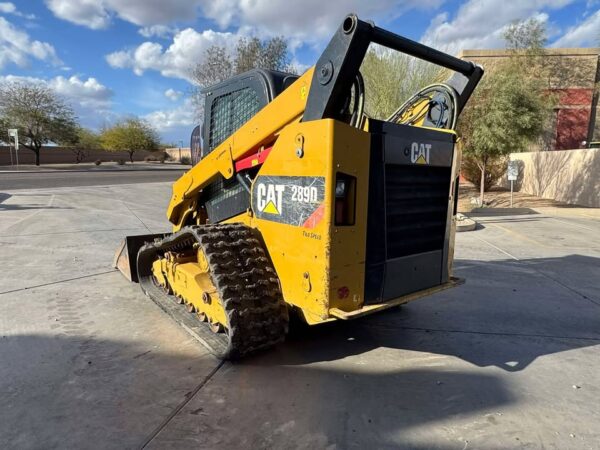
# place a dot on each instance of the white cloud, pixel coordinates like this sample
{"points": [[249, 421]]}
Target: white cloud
{"points": [[586, 33], [10, 8], [161, 31], [169, 119], [263, 18], [7, 8], [90, 93], [481, 23], [118, 60], [89, 13], [173, 95], [308, 20], [91, 100], [186, 50], [18, 48], [97, 14], [299, 67]]}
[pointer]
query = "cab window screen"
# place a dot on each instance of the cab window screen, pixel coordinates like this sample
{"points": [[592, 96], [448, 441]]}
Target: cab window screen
{"points": [[229, 112]]}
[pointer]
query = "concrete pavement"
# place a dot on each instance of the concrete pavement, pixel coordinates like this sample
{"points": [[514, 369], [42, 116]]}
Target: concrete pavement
{"points": [[508, 360]]}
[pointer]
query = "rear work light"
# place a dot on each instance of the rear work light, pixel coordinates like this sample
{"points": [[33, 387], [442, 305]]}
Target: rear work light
{"points": [[345, 199]]}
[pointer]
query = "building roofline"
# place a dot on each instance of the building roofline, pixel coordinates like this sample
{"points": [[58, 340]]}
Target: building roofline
{"points": [[499, 53]]}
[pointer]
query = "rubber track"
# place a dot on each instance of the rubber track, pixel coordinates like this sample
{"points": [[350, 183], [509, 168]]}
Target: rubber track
{"points": [[246, 281]]}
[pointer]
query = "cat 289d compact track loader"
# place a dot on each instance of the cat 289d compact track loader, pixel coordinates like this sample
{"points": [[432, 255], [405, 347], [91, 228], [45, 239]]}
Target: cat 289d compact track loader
{"points": [[301, 203]]}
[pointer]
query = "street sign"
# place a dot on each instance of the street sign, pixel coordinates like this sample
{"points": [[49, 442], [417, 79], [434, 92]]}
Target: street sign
{"points": [[14, 133], [513, 171]]}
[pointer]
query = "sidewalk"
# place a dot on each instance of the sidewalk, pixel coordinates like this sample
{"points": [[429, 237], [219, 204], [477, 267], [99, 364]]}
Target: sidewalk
{"points": [[91, 167]]}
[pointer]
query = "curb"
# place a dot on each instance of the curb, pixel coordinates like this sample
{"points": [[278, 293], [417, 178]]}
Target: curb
{"points": [[464, 223], [501, 211]]}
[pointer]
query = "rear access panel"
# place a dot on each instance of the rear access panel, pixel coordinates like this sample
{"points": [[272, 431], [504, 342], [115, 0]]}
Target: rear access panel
{"points": [[407, 227]]}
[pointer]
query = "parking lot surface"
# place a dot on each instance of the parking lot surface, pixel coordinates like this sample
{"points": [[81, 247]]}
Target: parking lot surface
{"points": [[508, 360]]}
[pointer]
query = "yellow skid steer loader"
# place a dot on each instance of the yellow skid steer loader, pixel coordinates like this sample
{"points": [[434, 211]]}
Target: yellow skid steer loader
{"points": [[301, 203]]}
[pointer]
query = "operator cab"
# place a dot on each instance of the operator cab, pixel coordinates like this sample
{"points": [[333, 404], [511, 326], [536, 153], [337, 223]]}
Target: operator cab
{"points": [[230, 104]]}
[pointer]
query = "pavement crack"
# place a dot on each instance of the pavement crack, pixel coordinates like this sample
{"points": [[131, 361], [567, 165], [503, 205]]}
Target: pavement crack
{"points": [[136, 216], [569, 288], [181, 405], [57, 282]]}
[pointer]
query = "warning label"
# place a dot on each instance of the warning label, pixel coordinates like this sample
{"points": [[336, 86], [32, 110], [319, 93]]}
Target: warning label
{"points": [[296, 201]]}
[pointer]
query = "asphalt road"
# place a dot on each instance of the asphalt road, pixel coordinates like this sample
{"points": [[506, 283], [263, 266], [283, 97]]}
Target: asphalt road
{"points": [[42, 180]]}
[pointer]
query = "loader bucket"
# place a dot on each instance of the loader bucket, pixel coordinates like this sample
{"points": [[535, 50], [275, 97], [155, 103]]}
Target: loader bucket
{"points": [[126, 255]]}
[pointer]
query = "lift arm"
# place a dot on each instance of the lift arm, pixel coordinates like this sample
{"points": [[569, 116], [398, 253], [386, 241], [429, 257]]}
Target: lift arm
{"points": [[318, 94]]}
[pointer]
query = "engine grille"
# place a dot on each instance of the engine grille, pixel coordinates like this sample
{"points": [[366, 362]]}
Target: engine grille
{"points": [[416, 200]]}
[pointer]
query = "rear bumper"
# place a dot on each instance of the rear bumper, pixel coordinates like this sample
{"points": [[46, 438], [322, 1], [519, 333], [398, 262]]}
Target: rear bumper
{"points": [[375, 307]]}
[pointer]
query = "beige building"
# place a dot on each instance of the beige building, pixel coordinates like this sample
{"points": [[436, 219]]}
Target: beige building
{"points": [[177, 153], [570, 176], [574, 78]]}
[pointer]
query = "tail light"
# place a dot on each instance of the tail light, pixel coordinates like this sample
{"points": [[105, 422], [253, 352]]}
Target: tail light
{"points": [[345, 199]]}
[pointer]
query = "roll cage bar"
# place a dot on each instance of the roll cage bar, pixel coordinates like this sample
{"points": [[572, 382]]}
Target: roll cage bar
{"points": [[336, 69]]}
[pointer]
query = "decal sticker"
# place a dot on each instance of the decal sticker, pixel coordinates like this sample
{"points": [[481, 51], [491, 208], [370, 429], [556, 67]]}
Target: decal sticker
{"points": [[296, 201], [419, 153], [303, 92]]}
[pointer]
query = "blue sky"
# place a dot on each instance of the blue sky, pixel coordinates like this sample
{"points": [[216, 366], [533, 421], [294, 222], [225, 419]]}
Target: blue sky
{"points": [[111, 58]]}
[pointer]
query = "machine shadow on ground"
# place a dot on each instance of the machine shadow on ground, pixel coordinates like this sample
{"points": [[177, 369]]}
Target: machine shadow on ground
{"points": [[381, 382], [498, 323], [66, 391], [335, 407], [108, 394]]}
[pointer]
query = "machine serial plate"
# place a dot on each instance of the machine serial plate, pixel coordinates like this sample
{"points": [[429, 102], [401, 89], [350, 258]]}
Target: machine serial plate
{"points": [[295, 201]]}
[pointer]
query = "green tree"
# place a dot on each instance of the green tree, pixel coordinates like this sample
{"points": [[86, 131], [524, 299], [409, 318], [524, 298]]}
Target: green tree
{"points": [[87, 140], [252, 53], [526, 36], [130, 135], [391, 78], [39, 114], [218, 64], [507, 114], [510, 107]]}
